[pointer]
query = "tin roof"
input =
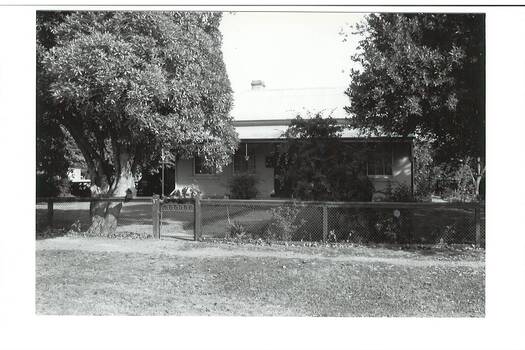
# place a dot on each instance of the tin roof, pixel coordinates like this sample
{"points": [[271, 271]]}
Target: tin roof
{"points": [[288, 103], [273, 129], [265, 114]]}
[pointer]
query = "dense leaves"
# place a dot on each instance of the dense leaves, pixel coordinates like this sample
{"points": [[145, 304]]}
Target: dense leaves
{"points": [[315, 164], [422, 74], [55, 152], [126, 84], [243, 186]]}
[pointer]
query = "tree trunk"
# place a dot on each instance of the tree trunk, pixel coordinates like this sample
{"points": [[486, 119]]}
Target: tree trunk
{"points": [[104, 215]]}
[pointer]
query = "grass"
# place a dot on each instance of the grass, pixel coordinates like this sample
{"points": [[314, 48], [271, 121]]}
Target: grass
{"points": [[101, 277]]}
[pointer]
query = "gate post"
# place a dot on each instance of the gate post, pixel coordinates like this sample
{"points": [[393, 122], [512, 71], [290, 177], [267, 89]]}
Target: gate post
{"points": [[197, 224], [50, 212], [325, 223], [477, 219], [155, 215]]}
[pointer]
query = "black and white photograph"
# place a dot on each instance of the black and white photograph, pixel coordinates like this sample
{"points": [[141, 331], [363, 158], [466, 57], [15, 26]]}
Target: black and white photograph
{"points": [[275, 164], [336, 170]]}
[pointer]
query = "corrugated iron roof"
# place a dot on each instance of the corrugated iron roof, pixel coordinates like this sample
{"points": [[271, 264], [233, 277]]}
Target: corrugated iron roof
{"points": [[273, 129], [264, 114], [288, 103]]}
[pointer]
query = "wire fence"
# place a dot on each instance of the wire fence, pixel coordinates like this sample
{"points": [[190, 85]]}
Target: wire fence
{"points": [[176, 220], [58, 216], [398, 223], [277, 220]]}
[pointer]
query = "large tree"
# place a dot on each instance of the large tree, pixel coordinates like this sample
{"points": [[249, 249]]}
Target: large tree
{"points": [[422, 74], [125, 85]]}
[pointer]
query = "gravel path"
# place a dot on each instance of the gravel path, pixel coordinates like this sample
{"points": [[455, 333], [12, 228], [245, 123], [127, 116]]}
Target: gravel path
{"points": [[207, 250]]}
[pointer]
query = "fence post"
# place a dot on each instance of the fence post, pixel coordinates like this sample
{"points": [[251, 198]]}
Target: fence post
{"points": [[325, 223], [477, 219], [155, 216], [50, 212], [197, 227]]}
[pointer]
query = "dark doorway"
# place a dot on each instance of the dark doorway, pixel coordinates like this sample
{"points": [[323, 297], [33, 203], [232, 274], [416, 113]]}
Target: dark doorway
{"points": [[151, 184]]}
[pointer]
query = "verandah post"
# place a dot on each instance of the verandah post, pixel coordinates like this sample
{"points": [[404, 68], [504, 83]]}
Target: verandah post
{"points": [[155, 216], [197, 227]]}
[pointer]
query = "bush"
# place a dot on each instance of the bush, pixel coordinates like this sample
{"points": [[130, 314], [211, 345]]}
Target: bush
{"points": [[186, 192], [461, 182], [358, 188], [237, 230], [52, 186], [283, 224], [401, 193], [243, 187], [314, 163], [426, 172], [80, 189]]}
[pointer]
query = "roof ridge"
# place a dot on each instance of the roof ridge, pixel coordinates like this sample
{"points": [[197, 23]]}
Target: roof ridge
{"points": [[295, 89]]}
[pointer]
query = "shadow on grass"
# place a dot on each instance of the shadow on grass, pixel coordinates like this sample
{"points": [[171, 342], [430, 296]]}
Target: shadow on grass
{"points": [[134, 217]]}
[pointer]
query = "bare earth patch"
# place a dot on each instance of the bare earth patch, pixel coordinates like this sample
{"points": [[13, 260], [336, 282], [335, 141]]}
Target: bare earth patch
{"points": [[150, 277]]}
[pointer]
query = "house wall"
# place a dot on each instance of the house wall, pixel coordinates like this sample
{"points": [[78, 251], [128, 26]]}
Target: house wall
{"points": [[217, 185]]}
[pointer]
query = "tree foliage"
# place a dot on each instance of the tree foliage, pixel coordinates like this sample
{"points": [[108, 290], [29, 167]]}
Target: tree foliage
{"points": [[55, 151], [422, 74], [317, 165], [125, 85]]}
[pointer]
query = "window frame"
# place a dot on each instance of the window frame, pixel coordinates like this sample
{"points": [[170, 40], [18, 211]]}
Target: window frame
{"points": [[248, 171], [390, 151]]}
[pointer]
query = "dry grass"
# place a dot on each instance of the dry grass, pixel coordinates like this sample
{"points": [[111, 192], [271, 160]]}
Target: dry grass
{"points": [[101, 277]]}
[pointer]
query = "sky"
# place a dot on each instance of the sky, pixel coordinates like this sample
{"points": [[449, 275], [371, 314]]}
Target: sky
{"points": [[288, 49]]}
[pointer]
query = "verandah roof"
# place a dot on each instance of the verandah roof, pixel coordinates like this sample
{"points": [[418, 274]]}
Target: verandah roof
{"points": [[254, 131]]}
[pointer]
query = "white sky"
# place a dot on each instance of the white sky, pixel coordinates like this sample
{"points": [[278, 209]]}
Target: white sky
{"points": [[287, 49]]}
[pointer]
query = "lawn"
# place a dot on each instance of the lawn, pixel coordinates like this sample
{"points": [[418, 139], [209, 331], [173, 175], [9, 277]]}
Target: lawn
{"points": [[150, 277]]}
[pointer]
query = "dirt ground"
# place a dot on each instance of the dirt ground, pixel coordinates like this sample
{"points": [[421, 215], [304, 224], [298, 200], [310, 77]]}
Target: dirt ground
{"points": [[152, 277]]}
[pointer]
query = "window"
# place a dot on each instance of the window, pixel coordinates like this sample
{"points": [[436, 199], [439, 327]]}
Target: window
{"points": [[201, 169], [243, 165], [380, 161]]}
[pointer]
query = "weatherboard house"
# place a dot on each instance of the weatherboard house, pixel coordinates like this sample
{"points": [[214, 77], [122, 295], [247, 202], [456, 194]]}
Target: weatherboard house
{"points": [[261, 116]]}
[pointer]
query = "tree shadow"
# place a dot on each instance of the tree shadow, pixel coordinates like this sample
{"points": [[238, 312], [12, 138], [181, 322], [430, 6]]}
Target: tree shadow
{"points": [[135, 217]]}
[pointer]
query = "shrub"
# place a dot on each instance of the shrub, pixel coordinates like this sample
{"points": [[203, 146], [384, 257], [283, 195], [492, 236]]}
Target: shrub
{"points": [[80, 189], [426, 172], [237, 230], [401, 193], [358, 188], [283, 225], [190, 191], [314, 162], [185, 192], [243, 186], [54, 186]]}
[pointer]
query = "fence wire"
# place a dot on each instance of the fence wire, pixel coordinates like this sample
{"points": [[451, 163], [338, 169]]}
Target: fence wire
{"points": [[262, 221], [177, 221], [415, 225], [74, 217], [412, 223], [411, 226]]}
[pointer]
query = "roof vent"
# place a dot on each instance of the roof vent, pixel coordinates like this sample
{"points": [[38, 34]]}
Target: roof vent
{"points": [[257, 84]]}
